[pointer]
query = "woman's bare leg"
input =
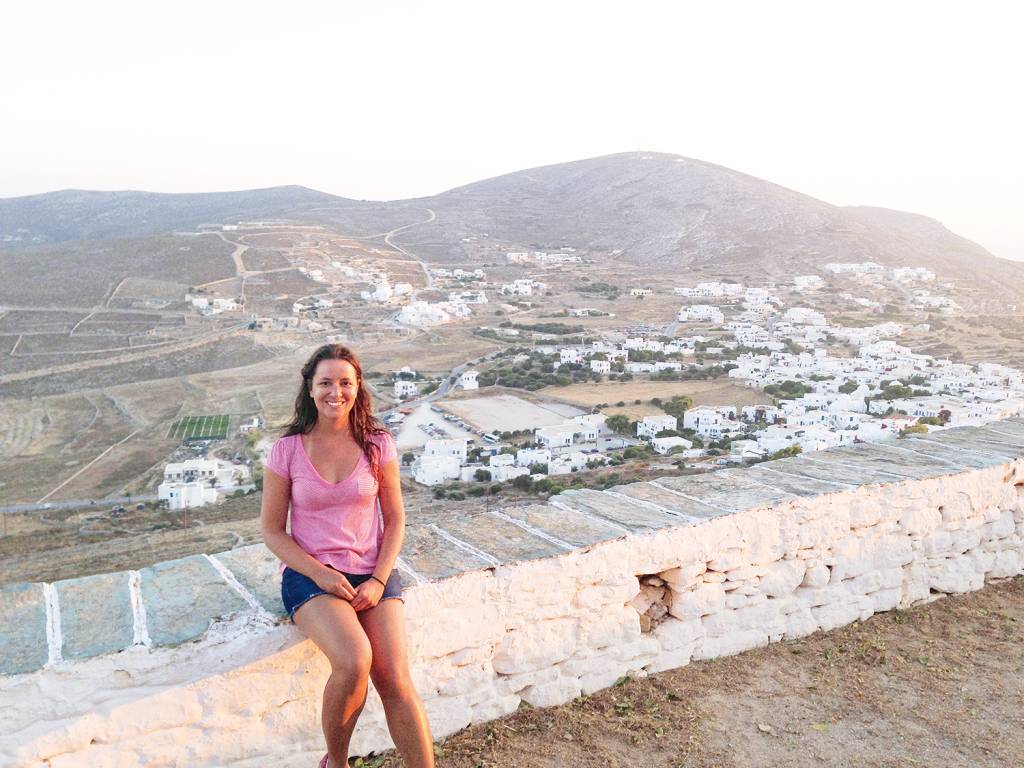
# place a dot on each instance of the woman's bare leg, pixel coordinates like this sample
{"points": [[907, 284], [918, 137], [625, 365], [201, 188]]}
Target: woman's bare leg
{"points": [[407, 722], [331, 623]]}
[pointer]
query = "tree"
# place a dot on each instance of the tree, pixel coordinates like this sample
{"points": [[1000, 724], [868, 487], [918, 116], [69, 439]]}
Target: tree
{"points": [[848, 386], [408, 458], [618, 423], [786, 453], [677, 406], [914, 429], [482, 475]]}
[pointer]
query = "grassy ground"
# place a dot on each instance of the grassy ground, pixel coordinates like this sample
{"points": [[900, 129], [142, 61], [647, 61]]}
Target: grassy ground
{"points": [[938, 685]]}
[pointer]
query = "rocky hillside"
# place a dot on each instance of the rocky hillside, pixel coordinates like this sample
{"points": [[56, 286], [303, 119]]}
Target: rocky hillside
{"points": [[648, 209], [73, 214]]}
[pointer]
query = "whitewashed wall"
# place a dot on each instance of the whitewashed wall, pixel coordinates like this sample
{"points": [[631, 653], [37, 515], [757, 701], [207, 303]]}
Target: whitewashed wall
{"points": [[544, 631]]}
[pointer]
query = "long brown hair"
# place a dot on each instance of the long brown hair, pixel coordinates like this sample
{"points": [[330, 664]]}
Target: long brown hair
{"points": [[361, 419]]}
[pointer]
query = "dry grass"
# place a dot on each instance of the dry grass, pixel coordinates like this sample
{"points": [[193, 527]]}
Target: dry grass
{"points": [[713, 392]]}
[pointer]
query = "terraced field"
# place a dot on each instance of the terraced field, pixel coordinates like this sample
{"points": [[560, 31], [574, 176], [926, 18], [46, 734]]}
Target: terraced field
{"points": [[200, 428]]}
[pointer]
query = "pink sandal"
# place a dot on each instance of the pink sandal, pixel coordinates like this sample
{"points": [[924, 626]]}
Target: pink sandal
{"points": [[323, 763]]}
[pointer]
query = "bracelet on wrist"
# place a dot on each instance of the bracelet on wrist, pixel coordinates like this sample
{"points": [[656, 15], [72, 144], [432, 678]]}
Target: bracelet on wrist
{"points": [[378, 580]]}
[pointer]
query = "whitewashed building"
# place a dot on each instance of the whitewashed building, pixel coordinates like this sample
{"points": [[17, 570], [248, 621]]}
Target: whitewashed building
{"points": [[405, 388], [649, 426]]}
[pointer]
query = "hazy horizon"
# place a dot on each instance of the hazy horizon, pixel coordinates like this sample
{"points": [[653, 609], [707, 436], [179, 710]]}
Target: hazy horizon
{"points": [[905, 107]]}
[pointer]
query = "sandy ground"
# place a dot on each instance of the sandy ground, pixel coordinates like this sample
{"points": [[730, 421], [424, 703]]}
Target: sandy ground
{"points": [[714, 392], [939, 685], [503, 413]]}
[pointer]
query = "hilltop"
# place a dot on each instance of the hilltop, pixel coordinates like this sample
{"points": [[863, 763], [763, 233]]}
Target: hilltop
{"points": [[650, 210]]}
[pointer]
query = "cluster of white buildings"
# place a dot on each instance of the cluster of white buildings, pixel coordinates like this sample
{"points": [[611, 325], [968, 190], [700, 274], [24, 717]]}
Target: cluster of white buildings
{"points": [[560, 448], [197, 482], [210, 305], [524, 287], [872, 269], [383, 292], [568, 256], [422, 314]]}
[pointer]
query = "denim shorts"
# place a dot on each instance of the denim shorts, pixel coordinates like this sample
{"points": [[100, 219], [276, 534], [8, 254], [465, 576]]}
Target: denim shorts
{"points": [[296, 589]]}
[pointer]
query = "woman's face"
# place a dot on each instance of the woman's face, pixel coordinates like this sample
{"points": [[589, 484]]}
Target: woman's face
{"points": [[334, 388]]}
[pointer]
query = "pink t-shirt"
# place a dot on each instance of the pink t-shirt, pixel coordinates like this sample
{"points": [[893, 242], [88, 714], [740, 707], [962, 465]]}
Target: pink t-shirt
{"points": [[337, 523]]}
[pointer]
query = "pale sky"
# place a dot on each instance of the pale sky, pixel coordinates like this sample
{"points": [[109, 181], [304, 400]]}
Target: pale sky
{"points": [[908, 105]]}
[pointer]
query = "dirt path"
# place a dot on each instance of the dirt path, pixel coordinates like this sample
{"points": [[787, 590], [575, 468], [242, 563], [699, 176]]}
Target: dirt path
{"points": [[392, 244], [939, 685]]}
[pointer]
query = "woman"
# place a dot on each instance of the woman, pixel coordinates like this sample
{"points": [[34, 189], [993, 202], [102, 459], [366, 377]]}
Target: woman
{"points": [[338, 582]]}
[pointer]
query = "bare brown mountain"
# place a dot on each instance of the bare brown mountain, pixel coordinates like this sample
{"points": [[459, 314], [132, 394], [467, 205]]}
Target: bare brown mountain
{"points": [[650, 209]]}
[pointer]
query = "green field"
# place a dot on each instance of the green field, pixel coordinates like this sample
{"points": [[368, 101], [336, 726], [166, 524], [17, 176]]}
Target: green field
{"points": [[200, 428]]}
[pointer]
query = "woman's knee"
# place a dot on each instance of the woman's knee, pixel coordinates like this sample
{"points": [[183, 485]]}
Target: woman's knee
{"points": [[392, 681], [351, 661]]}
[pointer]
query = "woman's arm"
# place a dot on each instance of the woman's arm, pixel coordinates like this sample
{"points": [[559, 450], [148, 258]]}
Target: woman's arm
{"points": [[274, 518], [392, 509]]}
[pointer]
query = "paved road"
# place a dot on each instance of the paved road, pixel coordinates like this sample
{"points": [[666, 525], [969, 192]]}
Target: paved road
{"points": [[76, 503]]}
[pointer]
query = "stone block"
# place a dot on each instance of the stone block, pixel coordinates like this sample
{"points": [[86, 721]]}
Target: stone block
{"points": [[447, 715], [743, 599], [698, 602], [471, 655], [602, 678], [818, 575], [676, 633], [551, 694], [573, 528], [684, 508], [639, 650], [685, 576], [673, 659], [467, 678], [493, 708], [1003, 525], [885, 599], [865, 512], [983, 561], [837, 614], [508, 684], [618, 509], [95, 614], [601, 595], [434, 557], [500, 538], [800, 623], [728, 560], [937, 543], [448, 631], [256, 569], [610, 627], [728, 489], [728, 645], [964, 540], [1007, 563], [23, 646], [533, 647], [835, 591], [920, 521], [184, 597], [782, 577], [955, 574]]}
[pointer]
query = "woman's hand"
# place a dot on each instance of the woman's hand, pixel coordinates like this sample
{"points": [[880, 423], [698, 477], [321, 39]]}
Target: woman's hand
{"points": [[368, 594], [335, 583]]}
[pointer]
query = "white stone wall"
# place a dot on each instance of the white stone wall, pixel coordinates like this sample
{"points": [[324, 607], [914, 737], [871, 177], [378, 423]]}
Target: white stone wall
{"points": [[544, 631]]}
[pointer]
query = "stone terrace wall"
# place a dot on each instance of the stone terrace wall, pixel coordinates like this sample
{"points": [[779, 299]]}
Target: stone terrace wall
{"points": [[188, 663]]}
